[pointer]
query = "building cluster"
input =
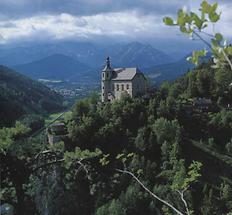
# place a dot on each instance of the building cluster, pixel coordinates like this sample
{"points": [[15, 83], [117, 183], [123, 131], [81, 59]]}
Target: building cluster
{"points": [[66, 93]]}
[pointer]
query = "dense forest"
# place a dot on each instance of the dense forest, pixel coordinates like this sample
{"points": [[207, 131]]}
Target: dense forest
{"points": [[22, 96], [168, 140]]}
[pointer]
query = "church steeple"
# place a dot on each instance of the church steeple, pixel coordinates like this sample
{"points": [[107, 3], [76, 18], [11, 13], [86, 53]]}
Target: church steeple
{"points": [[108, 63]]}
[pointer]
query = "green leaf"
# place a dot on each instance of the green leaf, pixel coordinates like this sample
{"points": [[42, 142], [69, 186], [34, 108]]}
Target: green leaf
{"points": [[130, 155], [168, 21], [228, 50], [205, 7], [214, 7], [119, 156], [185, 30], [214, 17], [214, 43], [139, 172], [196, 55], [181, 20], [218, 37], [104, 161], [198, 22]]}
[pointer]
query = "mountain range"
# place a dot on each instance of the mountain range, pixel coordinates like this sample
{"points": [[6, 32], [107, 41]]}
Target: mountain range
{"points": [[84, 61], [88, 53]]}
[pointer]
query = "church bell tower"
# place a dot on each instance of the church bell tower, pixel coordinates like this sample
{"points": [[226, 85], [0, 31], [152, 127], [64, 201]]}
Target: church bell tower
{"points": [[107, 74]]}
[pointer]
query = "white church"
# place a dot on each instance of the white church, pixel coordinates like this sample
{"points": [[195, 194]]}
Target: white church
{"points": [[116, 82]]}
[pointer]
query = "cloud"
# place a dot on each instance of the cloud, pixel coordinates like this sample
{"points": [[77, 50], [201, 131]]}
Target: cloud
{"points": [[7, 25], [96, 19], [129, 24], [224, 25], [22, 8]]}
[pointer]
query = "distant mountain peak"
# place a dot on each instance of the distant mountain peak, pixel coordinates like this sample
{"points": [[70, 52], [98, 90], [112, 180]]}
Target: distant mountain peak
{"points": [[138, 54], [56, 66]]}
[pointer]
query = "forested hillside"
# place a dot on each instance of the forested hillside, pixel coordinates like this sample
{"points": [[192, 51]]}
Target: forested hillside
{"points": [[20, 95], [163, 134], [168, 141]]}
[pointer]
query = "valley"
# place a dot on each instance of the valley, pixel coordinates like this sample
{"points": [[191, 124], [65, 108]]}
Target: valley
{"points": [[73, 69], [72, 90]]}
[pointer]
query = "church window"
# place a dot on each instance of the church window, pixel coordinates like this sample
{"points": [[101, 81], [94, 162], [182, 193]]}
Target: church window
{"points": [[122, 87], [117, 87], [103, 74], [103, 87], [107, 75], [127, 86]]}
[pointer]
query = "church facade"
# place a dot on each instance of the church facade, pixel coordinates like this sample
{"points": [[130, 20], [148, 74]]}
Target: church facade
{"points": [[116, 82]]}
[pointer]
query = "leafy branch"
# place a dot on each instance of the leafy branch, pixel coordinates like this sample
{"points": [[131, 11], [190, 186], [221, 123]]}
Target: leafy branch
{"points": [[148, 191], [193, 24]]}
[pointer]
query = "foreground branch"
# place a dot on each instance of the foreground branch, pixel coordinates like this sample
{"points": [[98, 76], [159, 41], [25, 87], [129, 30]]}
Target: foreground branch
{"points": [[184, 201], [151, 193], [227, 58], [79, 162], [202, 39], [47, 164], [45, 152]]}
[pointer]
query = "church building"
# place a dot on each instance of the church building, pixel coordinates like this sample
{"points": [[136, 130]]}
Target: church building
{"points": [[116, 82]]}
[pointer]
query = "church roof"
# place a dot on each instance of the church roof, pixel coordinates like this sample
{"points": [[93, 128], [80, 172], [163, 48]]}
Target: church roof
{"points": [[121, 74], [125, 73]]}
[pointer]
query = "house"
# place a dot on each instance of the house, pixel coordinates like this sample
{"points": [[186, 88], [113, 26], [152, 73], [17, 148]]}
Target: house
{"points": [[56, 132], [116, 82], [202, 104]]}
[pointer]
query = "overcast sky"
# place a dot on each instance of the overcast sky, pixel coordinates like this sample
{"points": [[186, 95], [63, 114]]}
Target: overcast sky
{"points": [[99, 20]]}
